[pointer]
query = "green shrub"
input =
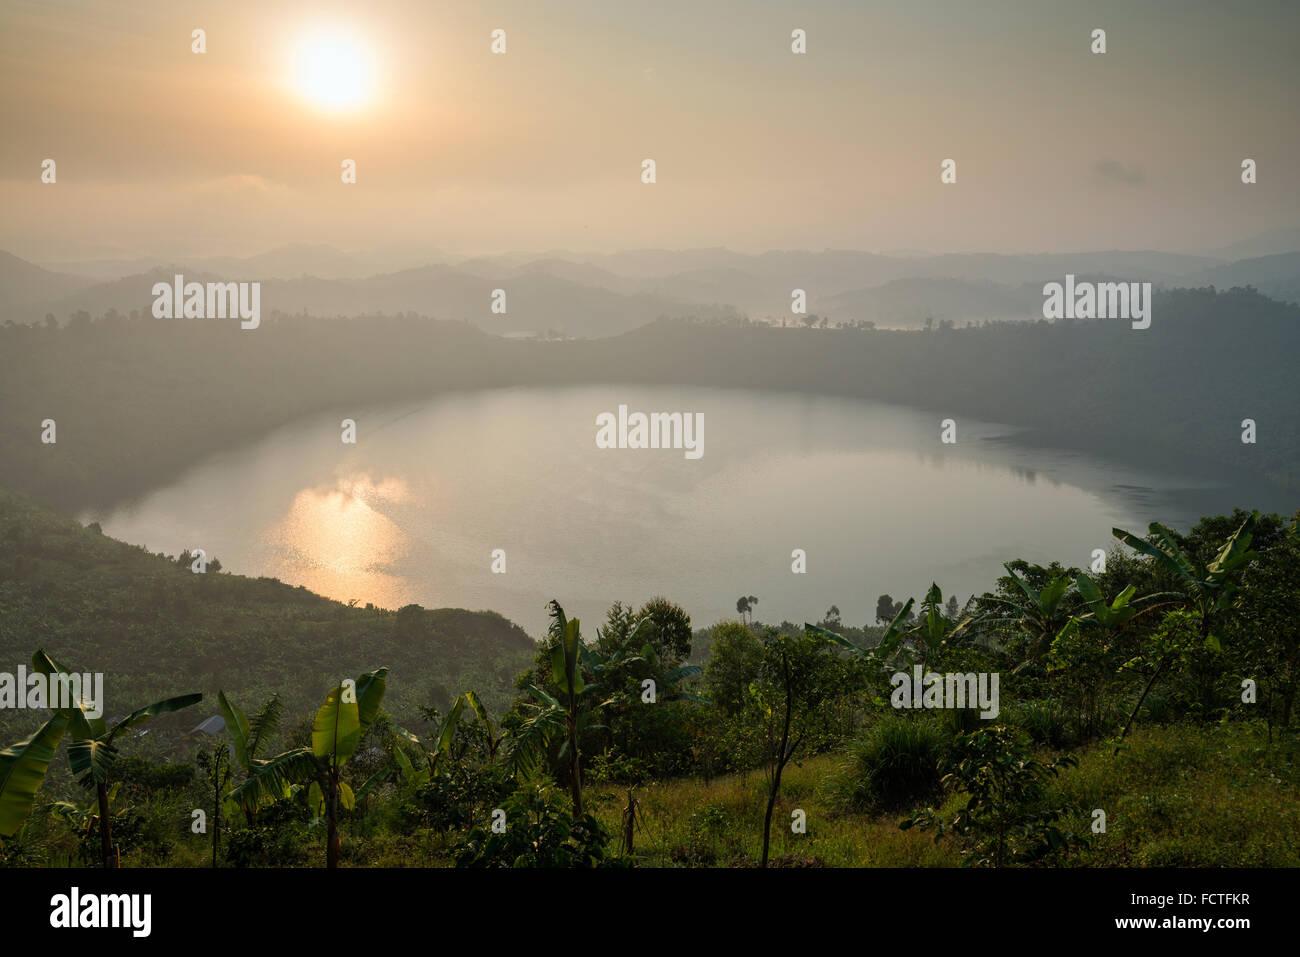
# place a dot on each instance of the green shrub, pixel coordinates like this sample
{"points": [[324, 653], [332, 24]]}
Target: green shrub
{"points": [[540, 831], [893, 764], [1045, 721], [458, 797], [711, 837]]}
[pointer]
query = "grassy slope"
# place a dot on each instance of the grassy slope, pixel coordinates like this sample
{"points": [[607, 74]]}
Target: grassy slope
{"points": [[1178, 795]]}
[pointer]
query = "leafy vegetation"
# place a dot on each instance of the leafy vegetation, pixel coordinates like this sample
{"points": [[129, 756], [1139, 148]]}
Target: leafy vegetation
{"points": [[1159, 691]]}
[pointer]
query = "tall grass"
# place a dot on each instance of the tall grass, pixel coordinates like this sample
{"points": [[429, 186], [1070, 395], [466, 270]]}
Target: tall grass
{"points": [[892, 764]]}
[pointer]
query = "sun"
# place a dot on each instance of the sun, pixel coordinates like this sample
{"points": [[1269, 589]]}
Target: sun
{"points": [[333, 71]]}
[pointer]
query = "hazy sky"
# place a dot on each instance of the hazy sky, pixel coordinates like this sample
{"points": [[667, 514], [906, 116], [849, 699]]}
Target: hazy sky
{"points": [[162, 151]]}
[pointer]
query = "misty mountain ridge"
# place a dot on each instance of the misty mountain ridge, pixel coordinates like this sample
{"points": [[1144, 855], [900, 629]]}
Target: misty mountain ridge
{"points": [[586, 296]]}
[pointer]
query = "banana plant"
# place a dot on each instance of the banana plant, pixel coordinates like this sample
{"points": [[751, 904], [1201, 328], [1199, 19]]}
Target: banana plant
{"points": [[608, 670], [549, 717], [249, 735], [23, 765], [1111, 615], [82, 818], [885, 651], [1041, 615], [1122, 609], [566, 671], [494, 734], [1209, 587], [932, 635], [529, 743], [92, 754], [340, 723], [22, 771], [402, 765], [935, 632]]}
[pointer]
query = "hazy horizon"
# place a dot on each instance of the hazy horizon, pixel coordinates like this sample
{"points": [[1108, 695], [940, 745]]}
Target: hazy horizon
{"points": [[231, 152]]}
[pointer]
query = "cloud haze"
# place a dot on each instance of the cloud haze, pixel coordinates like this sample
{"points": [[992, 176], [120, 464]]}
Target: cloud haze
{"points": [[163, 151]]}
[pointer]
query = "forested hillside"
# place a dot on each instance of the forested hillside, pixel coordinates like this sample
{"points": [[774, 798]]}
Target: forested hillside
{"points": [[152, 626]]}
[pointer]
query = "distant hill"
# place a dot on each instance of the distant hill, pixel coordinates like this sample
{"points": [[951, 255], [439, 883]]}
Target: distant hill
{"points": [[156, 628], [283, 262], [536, 301], [22, 283], [907, 303], [761, 285], [1265, 244], [586, 296], [1277, 276]]}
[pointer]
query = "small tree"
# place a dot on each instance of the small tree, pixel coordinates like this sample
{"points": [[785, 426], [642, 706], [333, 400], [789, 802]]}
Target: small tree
{"points": [[1004, 812], [796, 676], [214, 762]]}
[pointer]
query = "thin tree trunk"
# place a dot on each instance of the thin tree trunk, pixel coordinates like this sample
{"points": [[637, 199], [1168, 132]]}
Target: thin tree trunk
{"points": [[767, 818], [1002, 823], [1138, 707], [780, 763], [216, 804], [575, 782], [629, 822], [331, 813], [105, 836]]}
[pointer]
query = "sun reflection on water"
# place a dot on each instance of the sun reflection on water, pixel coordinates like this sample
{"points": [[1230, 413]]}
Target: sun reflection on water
{"points": [[335, 540]]}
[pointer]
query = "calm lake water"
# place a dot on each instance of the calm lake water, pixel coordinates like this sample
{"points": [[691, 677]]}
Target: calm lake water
{"points": [[413, 511]]}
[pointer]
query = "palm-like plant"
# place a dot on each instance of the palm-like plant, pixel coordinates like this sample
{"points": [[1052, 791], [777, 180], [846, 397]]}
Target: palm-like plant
{"points": [[1042, 616], [443, 738], [92, 754], [531, 739], [1209, 588], [549, 717], [83, 817], [1121, 609], [935, 632], [494, 734], [932, 635], [885, 651], [566, 671], [340, 723], [22, 770], [249, 735]]}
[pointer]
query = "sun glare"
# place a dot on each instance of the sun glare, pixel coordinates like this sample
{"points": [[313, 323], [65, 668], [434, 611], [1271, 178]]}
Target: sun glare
{"points": [[332, 71]]}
